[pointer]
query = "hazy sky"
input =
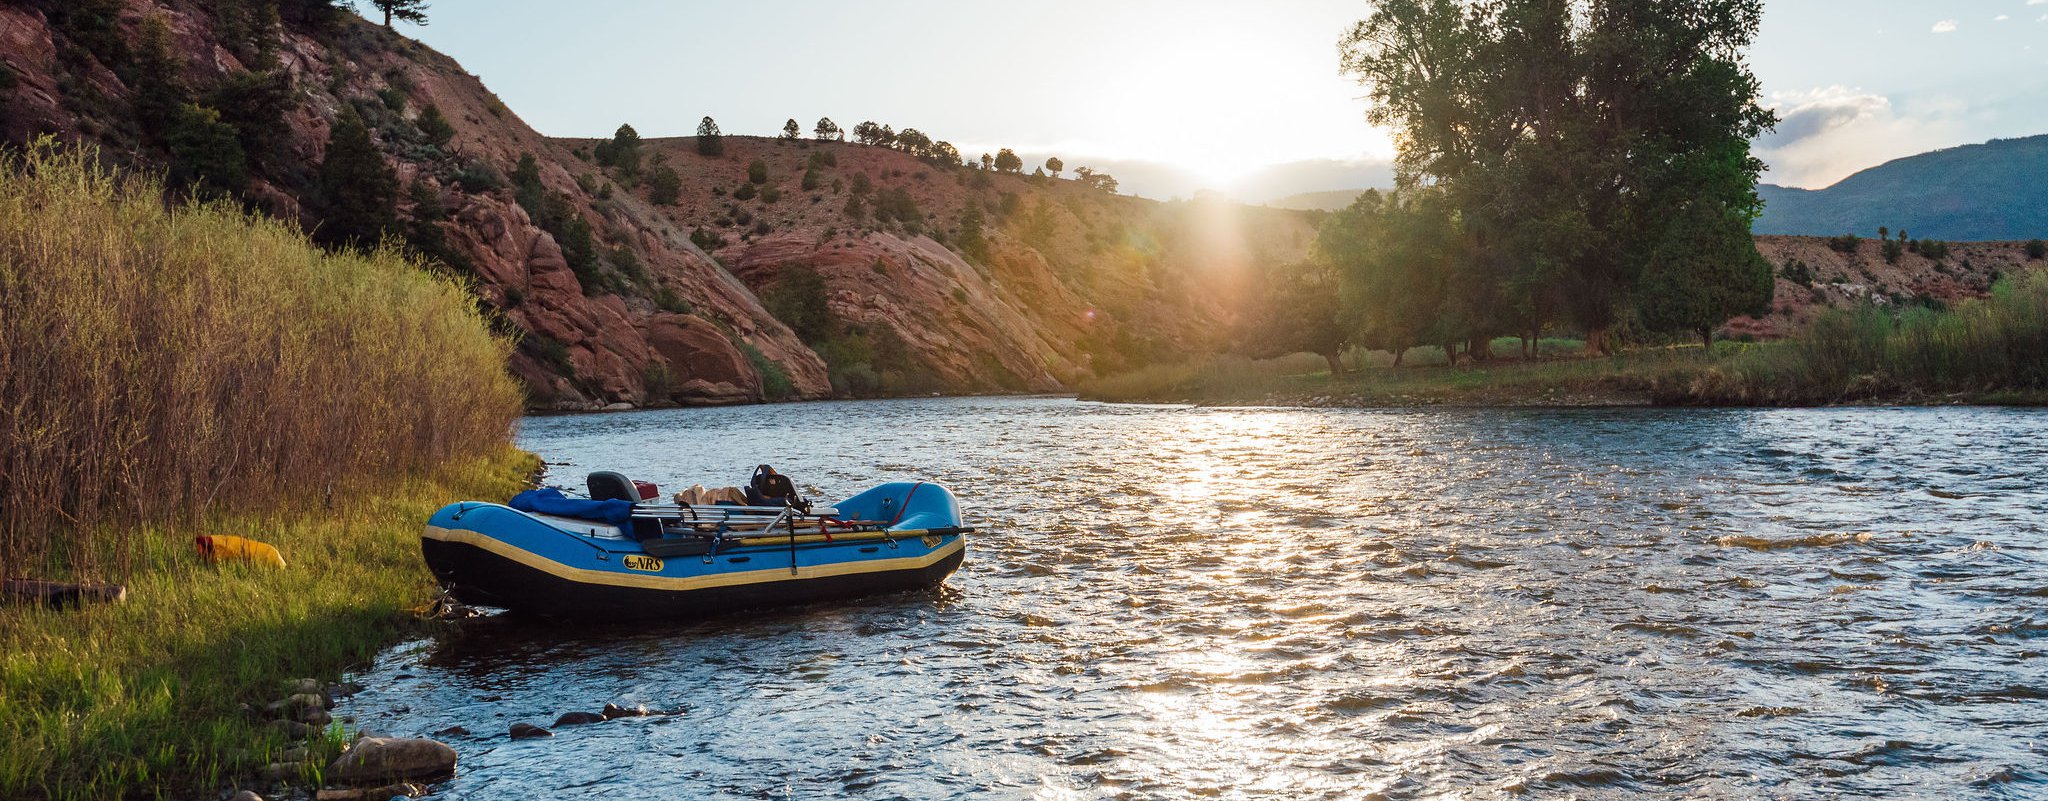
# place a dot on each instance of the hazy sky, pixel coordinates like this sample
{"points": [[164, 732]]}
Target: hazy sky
{"points": [[1174, 96]]}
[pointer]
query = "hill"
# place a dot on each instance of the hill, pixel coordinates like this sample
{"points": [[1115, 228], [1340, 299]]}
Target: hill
{"points": [[1993, 191], [1317, 201], [617, 299]]}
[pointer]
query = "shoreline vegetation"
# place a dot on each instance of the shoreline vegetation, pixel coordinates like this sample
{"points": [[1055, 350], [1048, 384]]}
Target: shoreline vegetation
{"points": [[176, 369], [1980, 351]]}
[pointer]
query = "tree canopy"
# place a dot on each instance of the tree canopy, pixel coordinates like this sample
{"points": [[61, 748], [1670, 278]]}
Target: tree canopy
{"points": [[1573, 144], [413, 11], [1007, 161], [791, 130], [828, 130], [709, 141]]}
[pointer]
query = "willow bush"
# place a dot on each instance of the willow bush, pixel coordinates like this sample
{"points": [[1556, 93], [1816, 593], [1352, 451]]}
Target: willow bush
{"points": [[169, 361], [1995, 347]]}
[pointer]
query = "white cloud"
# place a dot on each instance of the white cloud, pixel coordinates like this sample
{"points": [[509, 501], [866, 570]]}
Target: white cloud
{"points": [[1827, 134], [2001, 18], [1946, 26]]}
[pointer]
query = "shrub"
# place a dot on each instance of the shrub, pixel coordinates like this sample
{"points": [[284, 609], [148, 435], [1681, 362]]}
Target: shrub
{"points": [[763, 228], [811, 179], [1846, 243], [745, 192], [1892, 250], [665, 187], [205, 153], [706, 240], [775, 383], [757, 172], [667, 300], [2037, 250], [477, 176], [434, 126], [770, 194]]}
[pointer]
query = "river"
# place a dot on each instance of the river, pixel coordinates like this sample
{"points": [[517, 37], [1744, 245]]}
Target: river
{"points": [[1172, 602]]}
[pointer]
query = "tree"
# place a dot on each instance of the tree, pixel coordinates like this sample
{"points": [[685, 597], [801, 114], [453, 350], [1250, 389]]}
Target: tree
{"points": [[791, 131], [621, 152], [1055, 166], [945, 153], [988, 162], [914, 142], [205, 153], [357, 191], [1101, 181], [1007, 161], [1394, 258], [1299, 311], [828, 130], [413, 11], [1562, 132], [665, 186], [709, 141], [1704, 270], [434, 126], [868, 133], [972, 241]]}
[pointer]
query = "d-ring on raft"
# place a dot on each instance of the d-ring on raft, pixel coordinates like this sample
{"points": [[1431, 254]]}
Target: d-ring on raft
{"points": [[622, 558]]}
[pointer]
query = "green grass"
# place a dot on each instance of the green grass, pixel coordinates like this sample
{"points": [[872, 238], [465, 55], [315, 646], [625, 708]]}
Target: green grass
{"points": [[141, 698]]}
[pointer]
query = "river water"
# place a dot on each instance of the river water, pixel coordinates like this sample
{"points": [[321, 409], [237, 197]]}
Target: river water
{"points": [[1171, 602]]}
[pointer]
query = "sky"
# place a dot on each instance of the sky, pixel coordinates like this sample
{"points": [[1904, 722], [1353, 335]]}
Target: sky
{"points": [[1177, 96]]}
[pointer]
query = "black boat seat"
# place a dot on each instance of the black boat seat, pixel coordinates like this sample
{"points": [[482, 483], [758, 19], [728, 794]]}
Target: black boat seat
{"points": [[609, 485]]}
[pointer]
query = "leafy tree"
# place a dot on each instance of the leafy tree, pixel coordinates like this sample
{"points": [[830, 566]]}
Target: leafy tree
{"points": [[791, 131], [1055, 166], [413, 11], [664, 187], [887, 136], [1102, 181], [914, 142], [358, 192], [621, 152], [945, 153], [1395, 258], [709, 141], [828, 130], [1007, 161], [1299, 311], [435, 126], [1703, 270], [1562, 132], [757, 171], [988, 162], [868, 132], [205, 153]]}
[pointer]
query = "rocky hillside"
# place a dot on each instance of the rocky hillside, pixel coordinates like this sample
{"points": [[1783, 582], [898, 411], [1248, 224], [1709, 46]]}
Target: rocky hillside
{"points": [[1997, 190], [882, 272], [1816, 273]]}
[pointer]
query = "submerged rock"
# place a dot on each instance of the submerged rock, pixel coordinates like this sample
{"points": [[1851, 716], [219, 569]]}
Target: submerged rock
{"points": [[452, 731], [374, 759], [384, 793], [522, 731], [579, 718], [614, 711]]}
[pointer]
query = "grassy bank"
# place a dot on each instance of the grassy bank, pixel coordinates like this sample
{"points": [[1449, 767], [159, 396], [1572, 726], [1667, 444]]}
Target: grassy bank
{"points": [[175, 369], [141, 698], [1425, 379], [1991, 350]]}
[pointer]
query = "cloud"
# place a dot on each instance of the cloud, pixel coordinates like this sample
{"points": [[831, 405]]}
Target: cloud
{"points": [[1946, 26], [1824, 135]]}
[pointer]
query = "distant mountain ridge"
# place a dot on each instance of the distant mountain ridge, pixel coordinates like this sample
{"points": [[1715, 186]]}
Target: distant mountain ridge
{"points": [[1996, 191]]}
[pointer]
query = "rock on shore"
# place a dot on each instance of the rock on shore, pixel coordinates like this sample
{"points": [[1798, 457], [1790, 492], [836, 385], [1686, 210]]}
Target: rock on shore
{"points": [[375, 759]]}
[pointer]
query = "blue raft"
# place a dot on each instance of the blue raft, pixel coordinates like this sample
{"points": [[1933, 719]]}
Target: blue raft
{"points": [[619, 559]]}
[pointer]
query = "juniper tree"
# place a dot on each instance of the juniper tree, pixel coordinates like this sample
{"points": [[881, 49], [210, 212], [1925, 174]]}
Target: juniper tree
{"points": [[709, 141], [357, 191]]}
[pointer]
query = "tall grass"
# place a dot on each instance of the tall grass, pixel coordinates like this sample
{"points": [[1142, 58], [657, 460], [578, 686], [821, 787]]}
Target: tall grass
{"points": [[165, 362], [1993, 348]]}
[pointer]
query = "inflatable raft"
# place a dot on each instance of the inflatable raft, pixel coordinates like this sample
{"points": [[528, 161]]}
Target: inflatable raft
{"points": [[621, 557]]}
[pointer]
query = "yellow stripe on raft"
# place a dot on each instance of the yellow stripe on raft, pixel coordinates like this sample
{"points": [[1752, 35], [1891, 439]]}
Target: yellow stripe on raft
{"points": [[653, 582]]}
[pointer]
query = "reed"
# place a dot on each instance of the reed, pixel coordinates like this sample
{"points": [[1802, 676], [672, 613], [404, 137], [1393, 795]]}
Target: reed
{"points": [[162, 363]]}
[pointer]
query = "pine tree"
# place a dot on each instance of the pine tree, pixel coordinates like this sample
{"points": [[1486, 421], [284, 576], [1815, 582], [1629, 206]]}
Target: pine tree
{"points": [[413, 11], [792, 131], [358, 192], [1007, 161], [828, 130], [709, 141]]}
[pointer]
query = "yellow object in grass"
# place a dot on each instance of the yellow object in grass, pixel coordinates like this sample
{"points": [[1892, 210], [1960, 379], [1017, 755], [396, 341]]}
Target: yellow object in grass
{"points": [[219, 548]]}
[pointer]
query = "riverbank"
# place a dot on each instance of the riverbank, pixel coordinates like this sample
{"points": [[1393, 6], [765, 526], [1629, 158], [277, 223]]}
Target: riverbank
{"points": [[143, 697], [1987, 351]]}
